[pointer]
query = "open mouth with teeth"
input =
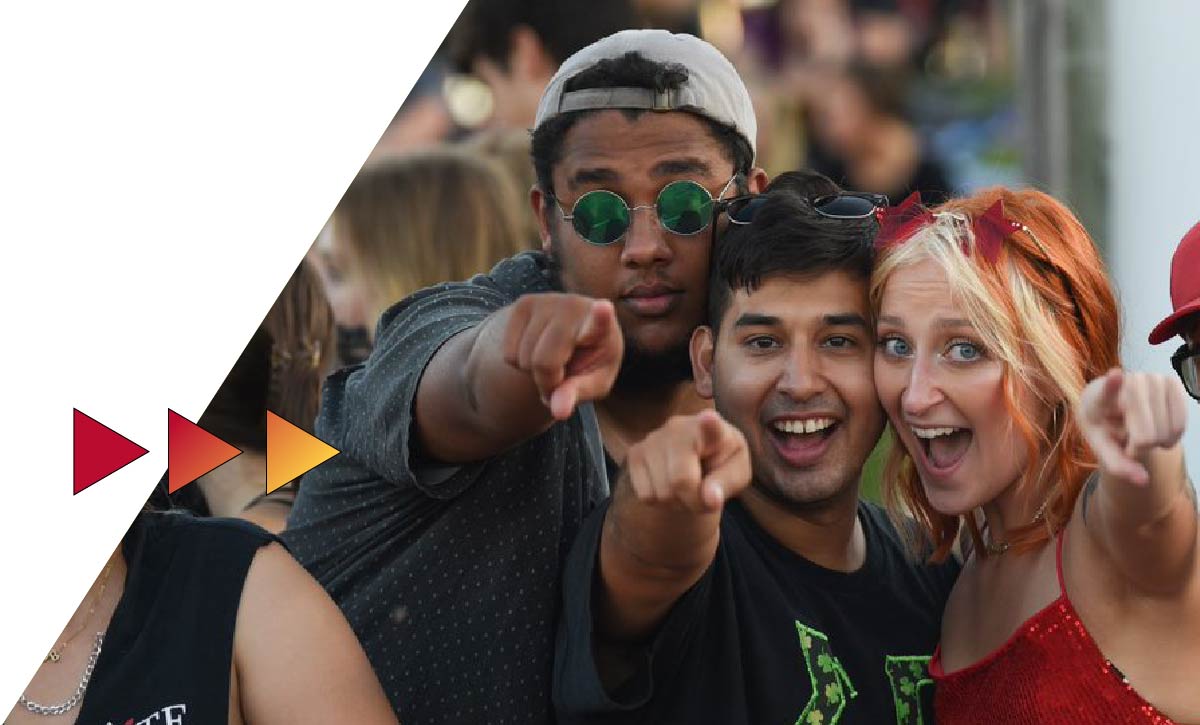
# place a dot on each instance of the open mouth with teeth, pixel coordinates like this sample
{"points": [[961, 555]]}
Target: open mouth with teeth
{"points": [[802, 442], [943, 447], [804, 427]]}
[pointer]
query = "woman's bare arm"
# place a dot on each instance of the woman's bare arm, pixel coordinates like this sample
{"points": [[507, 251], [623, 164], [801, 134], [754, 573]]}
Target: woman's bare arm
{"points": [[295, 658], [1141, 509]]}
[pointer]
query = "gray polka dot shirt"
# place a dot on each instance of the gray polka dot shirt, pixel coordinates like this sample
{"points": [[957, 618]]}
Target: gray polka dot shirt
{"points": [[450, 577]]}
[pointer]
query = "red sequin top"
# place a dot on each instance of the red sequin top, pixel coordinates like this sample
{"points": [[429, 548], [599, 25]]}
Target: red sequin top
{"points": [[1049, 671]]}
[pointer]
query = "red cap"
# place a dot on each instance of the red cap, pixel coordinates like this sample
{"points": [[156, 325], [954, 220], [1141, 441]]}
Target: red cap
{"points": [[1185, 286]]}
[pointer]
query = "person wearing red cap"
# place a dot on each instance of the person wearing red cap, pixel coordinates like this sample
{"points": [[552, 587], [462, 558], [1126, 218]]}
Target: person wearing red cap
{"points": [[1185, 319]]}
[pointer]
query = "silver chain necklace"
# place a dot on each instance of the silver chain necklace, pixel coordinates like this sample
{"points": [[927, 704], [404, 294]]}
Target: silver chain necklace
{"points": [[70, 703]]}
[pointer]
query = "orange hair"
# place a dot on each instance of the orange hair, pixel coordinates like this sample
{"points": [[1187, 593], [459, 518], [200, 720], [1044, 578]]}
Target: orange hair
{"points": [[1046, 309]]}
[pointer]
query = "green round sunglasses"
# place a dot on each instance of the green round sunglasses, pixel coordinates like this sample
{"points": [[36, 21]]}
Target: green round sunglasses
{"points": [[602, 217]]}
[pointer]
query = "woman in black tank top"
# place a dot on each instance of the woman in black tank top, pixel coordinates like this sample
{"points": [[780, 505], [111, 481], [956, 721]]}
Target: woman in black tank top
{"points": [[202, 621]]}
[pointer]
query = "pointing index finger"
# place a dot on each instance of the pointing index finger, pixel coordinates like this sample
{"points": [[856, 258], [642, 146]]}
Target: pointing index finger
{"points": [[600, 318], [1110, 392], [710, 433]]}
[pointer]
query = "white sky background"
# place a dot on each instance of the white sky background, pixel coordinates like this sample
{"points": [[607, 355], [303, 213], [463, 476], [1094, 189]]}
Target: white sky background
{"points": [[1154, 171], [163, 168]]}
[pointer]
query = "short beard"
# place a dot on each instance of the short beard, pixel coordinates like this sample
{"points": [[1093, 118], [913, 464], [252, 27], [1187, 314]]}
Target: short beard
{"points": [[793, 505], [643, 371], [553, 270]]}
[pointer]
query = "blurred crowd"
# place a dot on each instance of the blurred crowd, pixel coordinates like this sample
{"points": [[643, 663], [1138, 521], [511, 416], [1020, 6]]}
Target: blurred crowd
{"points": [[886, 96]]}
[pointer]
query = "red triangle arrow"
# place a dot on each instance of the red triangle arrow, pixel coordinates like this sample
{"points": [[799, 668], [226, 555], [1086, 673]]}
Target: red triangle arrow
{"points": [[192, 451], [100, 451]]}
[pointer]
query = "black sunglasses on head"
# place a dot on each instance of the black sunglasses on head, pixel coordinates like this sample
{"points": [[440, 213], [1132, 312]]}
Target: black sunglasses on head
{"points": [[1186, 362], [846, 205]]}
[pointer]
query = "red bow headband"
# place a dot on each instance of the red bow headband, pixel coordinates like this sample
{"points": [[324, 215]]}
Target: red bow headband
{"points": [[898, 223]]}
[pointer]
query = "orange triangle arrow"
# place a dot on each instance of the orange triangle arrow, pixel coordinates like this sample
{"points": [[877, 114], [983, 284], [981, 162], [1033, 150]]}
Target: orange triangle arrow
{"points": [[292, 452], [192, 451]]}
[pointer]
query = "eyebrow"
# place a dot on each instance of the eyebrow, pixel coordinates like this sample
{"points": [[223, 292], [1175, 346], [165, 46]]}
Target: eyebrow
{"points": [[751, 319], [948, 323], [689, 165], [754, 319], [669, 167], [851, 319], [941, 323], [598, 175]]}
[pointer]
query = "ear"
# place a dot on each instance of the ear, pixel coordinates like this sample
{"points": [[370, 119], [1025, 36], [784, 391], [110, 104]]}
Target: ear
{"points": [[700, 348], [757, 180], [527, 57], [537, 203]]}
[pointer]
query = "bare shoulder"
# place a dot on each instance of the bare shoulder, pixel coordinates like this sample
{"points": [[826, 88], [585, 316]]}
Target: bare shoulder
{"points": [[296, 660], [273, 567], [1094, 580], [1091, 576]]}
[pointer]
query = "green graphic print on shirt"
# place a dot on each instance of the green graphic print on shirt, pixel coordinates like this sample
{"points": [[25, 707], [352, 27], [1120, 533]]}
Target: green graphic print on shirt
{"points": [[907, 676], [832, 689]]}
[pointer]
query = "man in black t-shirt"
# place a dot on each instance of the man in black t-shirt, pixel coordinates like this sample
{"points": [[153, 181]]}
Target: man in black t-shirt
{"points": [[735, 577], [470, 446]]}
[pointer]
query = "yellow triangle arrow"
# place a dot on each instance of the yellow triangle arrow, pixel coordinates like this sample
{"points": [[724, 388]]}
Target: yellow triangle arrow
{"points": [[291, 452]]}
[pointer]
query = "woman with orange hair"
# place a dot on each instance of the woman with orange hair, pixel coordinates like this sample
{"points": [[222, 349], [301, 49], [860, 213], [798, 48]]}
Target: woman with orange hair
{"points": [[998, 366]]}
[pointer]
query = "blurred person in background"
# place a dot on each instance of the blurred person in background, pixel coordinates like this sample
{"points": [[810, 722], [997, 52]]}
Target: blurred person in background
{"points": [[888, 31], [824, 35], [423, 119], [420, 219], [815, 33], [1184, 321], [200, 622], [676, 16], [510, 148], [490, 70], [280, 370], [843, 87], [861, 138], [350, 318], [515, 46]]}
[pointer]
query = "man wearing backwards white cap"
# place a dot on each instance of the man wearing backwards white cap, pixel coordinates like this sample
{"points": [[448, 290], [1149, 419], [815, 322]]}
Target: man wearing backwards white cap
{"points": [[490, 416], [1184, 320]]}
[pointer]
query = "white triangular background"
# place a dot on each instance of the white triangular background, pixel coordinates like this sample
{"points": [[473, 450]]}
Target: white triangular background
{"points": [[163, 168]]}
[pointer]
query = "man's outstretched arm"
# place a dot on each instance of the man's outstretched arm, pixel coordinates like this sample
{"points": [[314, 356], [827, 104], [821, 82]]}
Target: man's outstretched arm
{"points": [[512, 376], [663, 526]]}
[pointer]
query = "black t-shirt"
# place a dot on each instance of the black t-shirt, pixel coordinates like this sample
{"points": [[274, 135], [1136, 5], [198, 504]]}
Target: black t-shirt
{"points": [[168, 650], [449, 575], [766, 637]]}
